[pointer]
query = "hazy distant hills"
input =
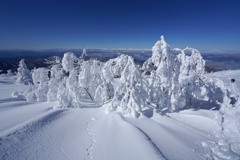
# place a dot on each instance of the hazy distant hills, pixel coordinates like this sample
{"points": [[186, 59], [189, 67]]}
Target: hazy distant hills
{"points": [[9, 58]]}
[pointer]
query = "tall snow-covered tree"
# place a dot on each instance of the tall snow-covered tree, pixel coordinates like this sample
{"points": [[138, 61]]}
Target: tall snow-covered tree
{"points": [[90, 77], [164, 69], [130, 96], [71, 94], [23, 75], [105, 91], [57, 75], [80, 81]]}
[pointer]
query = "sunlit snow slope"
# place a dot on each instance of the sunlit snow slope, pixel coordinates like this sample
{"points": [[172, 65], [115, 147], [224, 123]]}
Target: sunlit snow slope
{"points": [[42, 131]]}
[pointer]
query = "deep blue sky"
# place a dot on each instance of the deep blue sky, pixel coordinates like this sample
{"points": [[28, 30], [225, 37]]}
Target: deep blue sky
{"points": [[202, 24]]}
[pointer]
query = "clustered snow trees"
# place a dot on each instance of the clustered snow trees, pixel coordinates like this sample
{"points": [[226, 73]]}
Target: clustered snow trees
{"points": [[176, 79], [170, 78]]}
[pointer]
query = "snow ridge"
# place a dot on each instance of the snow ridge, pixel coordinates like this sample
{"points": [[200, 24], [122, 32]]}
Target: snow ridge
{"points": [[27, 131]]}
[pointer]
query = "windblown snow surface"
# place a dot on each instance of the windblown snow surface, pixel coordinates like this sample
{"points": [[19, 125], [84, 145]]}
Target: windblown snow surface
{"points": [[43, 131]]}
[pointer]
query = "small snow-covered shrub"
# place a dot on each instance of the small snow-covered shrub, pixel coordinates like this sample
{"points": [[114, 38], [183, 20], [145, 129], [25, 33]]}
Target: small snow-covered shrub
{"points": [[16, 94], [10, 73]]}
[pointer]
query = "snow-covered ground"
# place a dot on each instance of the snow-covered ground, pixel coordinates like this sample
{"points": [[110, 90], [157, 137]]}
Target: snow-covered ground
{"points": [[41, 131], [226, 77]]}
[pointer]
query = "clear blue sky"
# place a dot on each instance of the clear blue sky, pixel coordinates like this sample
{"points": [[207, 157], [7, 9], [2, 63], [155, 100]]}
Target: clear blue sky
{"points": [[38, 24]]}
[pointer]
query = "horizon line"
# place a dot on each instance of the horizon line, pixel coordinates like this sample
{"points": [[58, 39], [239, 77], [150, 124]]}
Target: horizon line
{"points": [[130, 49]]}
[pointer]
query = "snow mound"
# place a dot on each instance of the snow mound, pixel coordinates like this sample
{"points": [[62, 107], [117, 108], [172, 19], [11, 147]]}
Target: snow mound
{"points": [[230, 110]]}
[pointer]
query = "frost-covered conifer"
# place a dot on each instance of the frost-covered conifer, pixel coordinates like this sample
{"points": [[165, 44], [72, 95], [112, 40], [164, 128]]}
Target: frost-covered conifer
{"points": [[71, 93], [104, 92], [56, 80], [80, 81], [84, 53], [67, 78], [130, 96], [164, 69], [115, 66], [39, 91], [69, 61], [90, 77], [23, 75]]}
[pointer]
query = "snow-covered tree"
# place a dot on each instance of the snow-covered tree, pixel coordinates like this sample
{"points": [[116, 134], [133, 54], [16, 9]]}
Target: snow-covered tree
{"points": [[104, 92], [84, 53], [130, 96], [10, 73], [163, 67], [90, 77], [39, 91], [190, 77], [56, 80], [69, 61], [70, 94], [114, 67], [23, 75], [80, 81], [107, 71], [176, 79]]}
